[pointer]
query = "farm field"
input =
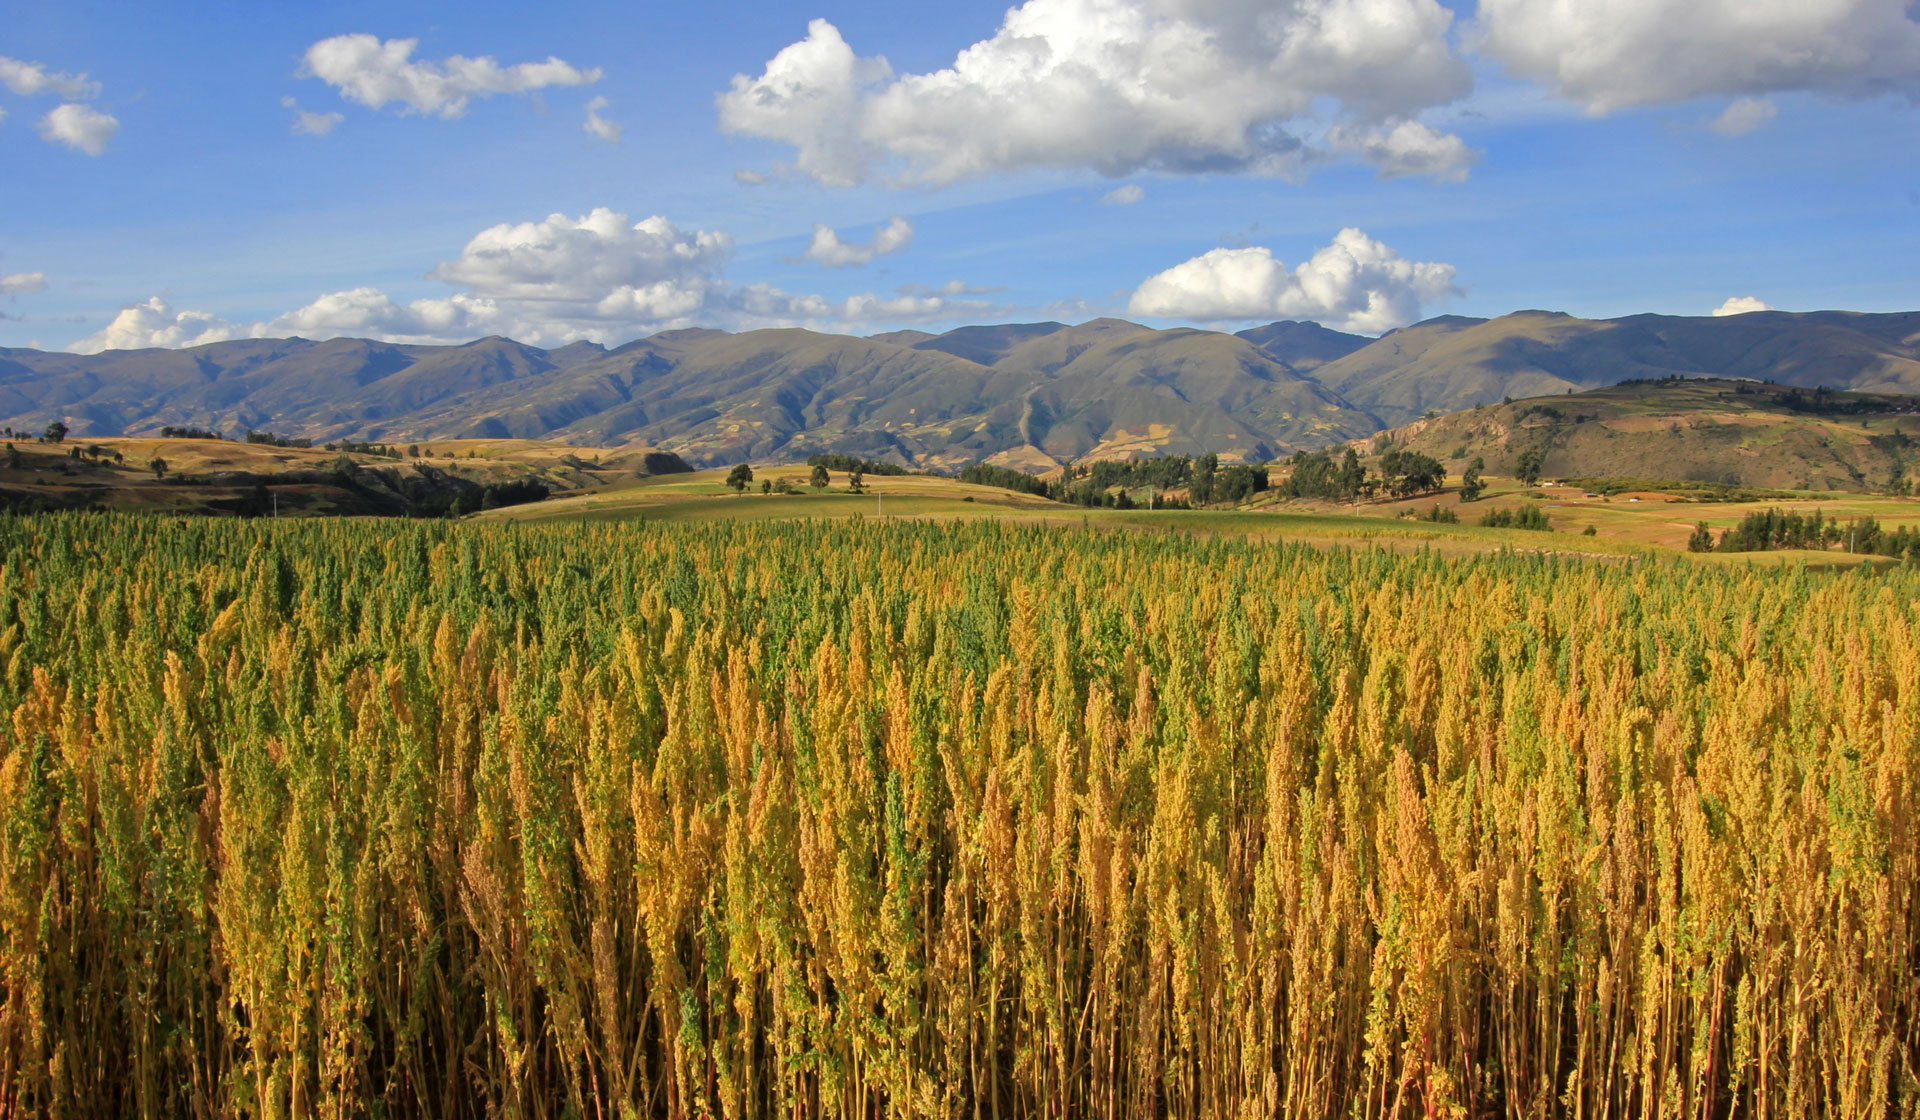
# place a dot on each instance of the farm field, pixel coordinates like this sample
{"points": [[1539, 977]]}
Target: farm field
{"points": [[926, 817], [1629, 523]]}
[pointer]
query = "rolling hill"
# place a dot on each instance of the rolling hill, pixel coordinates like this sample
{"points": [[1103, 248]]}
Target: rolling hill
{"points": [[1451, 363], [1736, 433], [1032, 395]]}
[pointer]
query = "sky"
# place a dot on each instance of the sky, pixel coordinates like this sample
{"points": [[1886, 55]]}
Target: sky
{"points": [[173, 175]]}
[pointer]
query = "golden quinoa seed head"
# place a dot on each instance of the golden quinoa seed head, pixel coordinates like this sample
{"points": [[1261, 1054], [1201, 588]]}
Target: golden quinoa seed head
{"points": [[943, 821]]}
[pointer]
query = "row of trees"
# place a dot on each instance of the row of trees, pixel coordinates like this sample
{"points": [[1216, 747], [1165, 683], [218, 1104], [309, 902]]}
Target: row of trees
{"points": [[1111, 483], [1401, 474], [1770, 529], [853, 463], [1518, 517], [269, 439], [943, 821], [741, 476]]}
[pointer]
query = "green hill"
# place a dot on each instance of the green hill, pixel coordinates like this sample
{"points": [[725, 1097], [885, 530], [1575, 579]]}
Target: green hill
{"points": [[1738, 433], [1452, 363], [1031, 395]]}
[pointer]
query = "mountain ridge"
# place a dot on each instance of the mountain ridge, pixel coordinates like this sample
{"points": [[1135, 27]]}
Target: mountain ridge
{"points": [[1028, 394]]}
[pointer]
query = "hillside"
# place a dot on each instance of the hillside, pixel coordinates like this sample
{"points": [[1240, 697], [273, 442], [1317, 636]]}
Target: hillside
{"points": [[1706, 430], [214, 476], [1451, 363], [1030, 395], [1036, 392]]}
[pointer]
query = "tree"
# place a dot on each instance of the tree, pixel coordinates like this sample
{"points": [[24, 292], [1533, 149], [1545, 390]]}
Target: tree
{"points": [[766, 486], [1406, 473], [1203, 472], [13, 457], [1471, 487], [856, 479], [1701, 540], [413, 451], [159, 468], [820, 477], [56, 432], [1352, 478], [739, 476], [1528, 468]]}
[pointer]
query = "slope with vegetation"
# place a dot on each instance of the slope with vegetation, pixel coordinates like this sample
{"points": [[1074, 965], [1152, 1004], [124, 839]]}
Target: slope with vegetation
{"points": [[1717, 432], [1032, 396], [266, 475], [1452, 363]]}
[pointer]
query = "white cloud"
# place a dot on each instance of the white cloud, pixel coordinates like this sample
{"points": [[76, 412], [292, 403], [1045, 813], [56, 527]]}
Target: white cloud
{"points": [[759, 305], [20, 282], [828, 250], [600, 277], [601, 255], [30, 78], [79, 127], [371, 313], [747, 177], [1355, 284], [376, 73], [1645, 52], [1743, 116], [600, 126], [811, 97], [1113, 85], [311, 124], [1740, 305], [154, 323], [1408, 149], [1123, 196]]}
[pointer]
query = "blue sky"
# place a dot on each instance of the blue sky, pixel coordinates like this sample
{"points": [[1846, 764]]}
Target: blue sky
{"points": [[1626, 160]]}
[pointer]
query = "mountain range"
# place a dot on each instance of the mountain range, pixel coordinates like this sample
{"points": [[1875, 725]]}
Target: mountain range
{"points": [[1029, 395]]}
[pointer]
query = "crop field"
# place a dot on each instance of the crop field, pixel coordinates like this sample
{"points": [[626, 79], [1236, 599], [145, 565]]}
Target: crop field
{"points": [[938, 818], [1627, 524]]}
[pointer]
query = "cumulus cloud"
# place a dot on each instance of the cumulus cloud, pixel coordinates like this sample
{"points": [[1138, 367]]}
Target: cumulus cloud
{"points": [[1355, 284], [599, 126], [747, 177], [1740, 305], [29, 79], [371, 313], [1743, 116], [599, 257], [1644, 52], [79, 127], [828, 250], [601, 277], [311, 124], [1408, 149], [1123, 196], [20, 282], [1113, 85], [155, 323], [377, 73]]}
